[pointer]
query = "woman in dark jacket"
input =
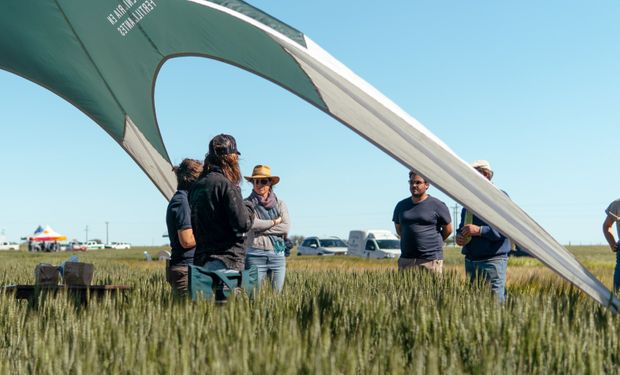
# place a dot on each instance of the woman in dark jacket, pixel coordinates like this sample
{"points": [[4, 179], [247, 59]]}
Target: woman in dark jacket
{"points": [[220, 217]]}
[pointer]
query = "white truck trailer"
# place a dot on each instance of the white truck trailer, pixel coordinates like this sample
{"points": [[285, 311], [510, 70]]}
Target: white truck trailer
{"points": [[373, 243]]}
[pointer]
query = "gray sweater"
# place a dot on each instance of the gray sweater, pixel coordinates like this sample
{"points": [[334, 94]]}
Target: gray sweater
{"points": [[258, 236]]}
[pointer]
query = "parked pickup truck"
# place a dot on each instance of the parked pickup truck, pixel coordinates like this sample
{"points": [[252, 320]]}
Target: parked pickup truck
{"points": [[118, 246], [4, 245], [93, 245]]}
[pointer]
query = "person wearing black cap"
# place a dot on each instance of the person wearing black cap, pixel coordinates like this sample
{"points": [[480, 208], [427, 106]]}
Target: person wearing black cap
{"points": [[220, 218]]}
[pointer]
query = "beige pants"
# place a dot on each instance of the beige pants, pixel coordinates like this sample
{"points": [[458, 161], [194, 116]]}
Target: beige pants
{"points": [[431, 265]]}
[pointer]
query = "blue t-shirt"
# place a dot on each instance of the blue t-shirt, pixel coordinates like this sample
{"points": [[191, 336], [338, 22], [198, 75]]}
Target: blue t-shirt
{"points": [[178, 216], [420, 227]]}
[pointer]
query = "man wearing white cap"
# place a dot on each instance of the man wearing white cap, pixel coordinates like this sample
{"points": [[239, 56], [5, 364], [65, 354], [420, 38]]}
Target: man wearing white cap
{"points": [[613, 216], [485, 249]]}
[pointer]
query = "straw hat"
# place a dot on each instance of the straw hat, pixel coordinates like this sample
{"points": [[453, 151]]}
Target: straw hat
{"points": [[262, 171]]}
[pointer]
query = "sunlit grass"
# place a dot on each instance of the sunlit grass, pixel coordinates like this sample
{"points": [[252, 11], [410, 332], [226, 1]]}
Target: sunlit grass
{"points": [[337, 315]]}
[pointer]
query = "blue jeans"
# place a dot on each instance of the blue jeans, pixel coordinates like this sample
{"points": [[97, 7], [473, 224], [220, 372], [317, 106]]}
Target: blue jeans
{"points": [[217, 265], [492, 271], [268, 264], [617, 270]]}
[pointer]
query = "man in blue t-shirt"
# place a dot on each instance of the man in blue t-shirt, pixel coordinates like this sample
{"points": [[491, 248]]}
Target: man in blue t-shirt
{"points": [[423, 224], [179, 224], [485, 249]]}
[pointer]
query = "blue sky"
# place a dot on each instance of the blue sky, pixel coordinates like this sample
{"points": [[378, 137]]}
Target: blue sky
{"points": [[531, 86]]}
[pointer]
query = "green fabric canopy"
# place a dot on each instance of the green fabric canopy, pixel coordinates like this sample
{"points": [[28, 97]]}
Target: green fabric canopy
{"points": [[103, 56]]}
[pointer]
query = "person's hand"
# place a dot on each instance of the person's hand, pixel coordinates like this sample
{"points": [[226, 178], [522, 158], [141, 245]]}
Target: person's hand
{"points": [[470, 230], [277, 221], [460, 240]]}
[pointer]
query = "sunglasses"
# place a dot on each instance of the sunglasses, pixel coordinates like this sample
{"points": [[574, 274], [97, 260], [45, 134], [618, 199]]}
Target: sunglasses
{"points": [[413, 182], [261, 181]]}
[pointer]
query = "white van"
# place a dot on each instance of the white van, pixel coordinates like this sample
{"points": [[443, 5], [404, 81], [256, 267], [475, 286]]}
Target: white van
{"points": [[375, 243]]}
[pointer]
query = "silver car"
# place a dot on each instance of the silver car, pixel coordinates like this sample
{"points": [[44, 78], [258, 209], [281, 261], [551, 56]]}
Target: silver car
{"points": [[322, 246]]}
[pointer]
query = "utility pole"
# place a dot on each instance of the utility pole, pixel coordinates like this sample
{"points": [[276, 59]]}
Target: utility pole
{"points": [[107, 239], [455, 223], [86, 230]]}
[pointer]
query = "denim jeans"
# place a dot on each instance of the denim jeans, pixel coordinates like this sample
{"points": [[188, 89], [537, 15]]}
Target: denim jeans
{"points": [[218, 265], [492, 271], [268, 264], [617, 270]]}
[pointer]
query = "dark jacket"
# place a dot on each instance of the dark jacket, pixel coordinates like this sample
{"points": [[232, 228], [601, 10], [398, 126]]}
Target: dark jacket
{"points": [[489, 244], [220, 219]]}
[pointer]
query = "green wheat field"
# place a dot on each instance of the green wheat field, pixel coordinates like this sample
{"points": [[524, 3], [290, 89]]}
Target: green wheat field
{"points": [[337, 315]]}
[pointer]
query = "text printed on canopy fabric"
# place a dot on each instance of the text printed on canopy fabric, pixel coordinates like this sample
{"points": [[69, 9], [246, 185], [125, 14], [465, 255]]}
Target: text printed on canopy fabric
{"points": [[128, 14]]}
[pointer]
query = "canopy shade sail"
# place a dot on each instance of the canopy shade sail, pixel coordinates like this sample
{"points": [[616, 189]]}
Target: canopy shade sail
{"points": [[103, 56], [46, 234]]}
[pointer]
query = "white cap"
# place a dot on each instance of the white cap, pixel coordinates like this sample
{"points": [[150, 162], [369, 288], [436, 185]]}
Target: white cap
{"points": [[482, 164]]}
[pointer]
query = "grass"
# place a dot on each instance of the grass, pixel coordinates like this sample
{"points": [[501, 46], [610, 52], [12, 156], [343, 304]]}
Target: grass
{"points": [[336, 315]]}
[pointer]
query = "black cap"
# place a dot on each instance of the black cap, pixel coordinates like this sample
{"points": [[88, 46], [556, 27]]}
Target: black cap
{"points": [[223, 144]]}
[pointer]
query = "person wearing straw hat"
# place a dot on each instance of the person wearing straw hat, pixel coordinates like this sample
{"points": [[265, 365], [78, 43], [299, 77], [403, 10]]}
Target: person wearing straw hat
{"points": [[485, 249], [613, 216], [220, 217], [179, 224], [266, 240]]}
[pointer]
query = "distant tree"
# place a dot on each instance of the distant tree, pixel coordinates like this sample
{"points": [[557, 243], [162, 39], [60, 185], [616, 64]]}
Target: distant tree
{"points": [[297, 239]]}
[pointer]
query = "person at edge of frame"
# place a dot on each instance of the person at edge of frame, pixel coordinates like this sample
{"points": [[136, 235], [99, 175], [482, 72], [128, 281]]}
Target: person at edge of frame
{"points": [[613, 216]]}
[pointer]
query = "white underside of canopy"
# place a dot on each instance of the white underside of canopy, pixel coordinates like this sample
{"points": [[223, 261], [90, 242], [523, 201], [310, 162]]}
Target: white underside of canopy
{"points": [[380, 121], [152, 163], [366, 111]]}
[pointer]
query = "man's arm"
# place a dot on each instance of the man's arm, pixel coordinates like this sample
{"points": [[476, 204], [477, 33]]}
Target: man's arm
{"points": [[186, 238], [608, 232], [446, 231], [397, 227], [485, 231], [396, 219]]}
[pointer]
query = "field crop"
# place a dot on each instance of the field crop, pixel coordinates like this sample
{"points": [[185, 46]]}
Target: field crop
{"points": [[337, 315]]}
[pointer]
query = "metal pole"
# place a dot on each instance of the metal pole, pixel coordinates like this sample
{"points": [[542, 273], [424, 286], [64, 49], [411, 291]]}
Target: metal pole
{"points": [[455, 222], [107, 239], [86, 230]]}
